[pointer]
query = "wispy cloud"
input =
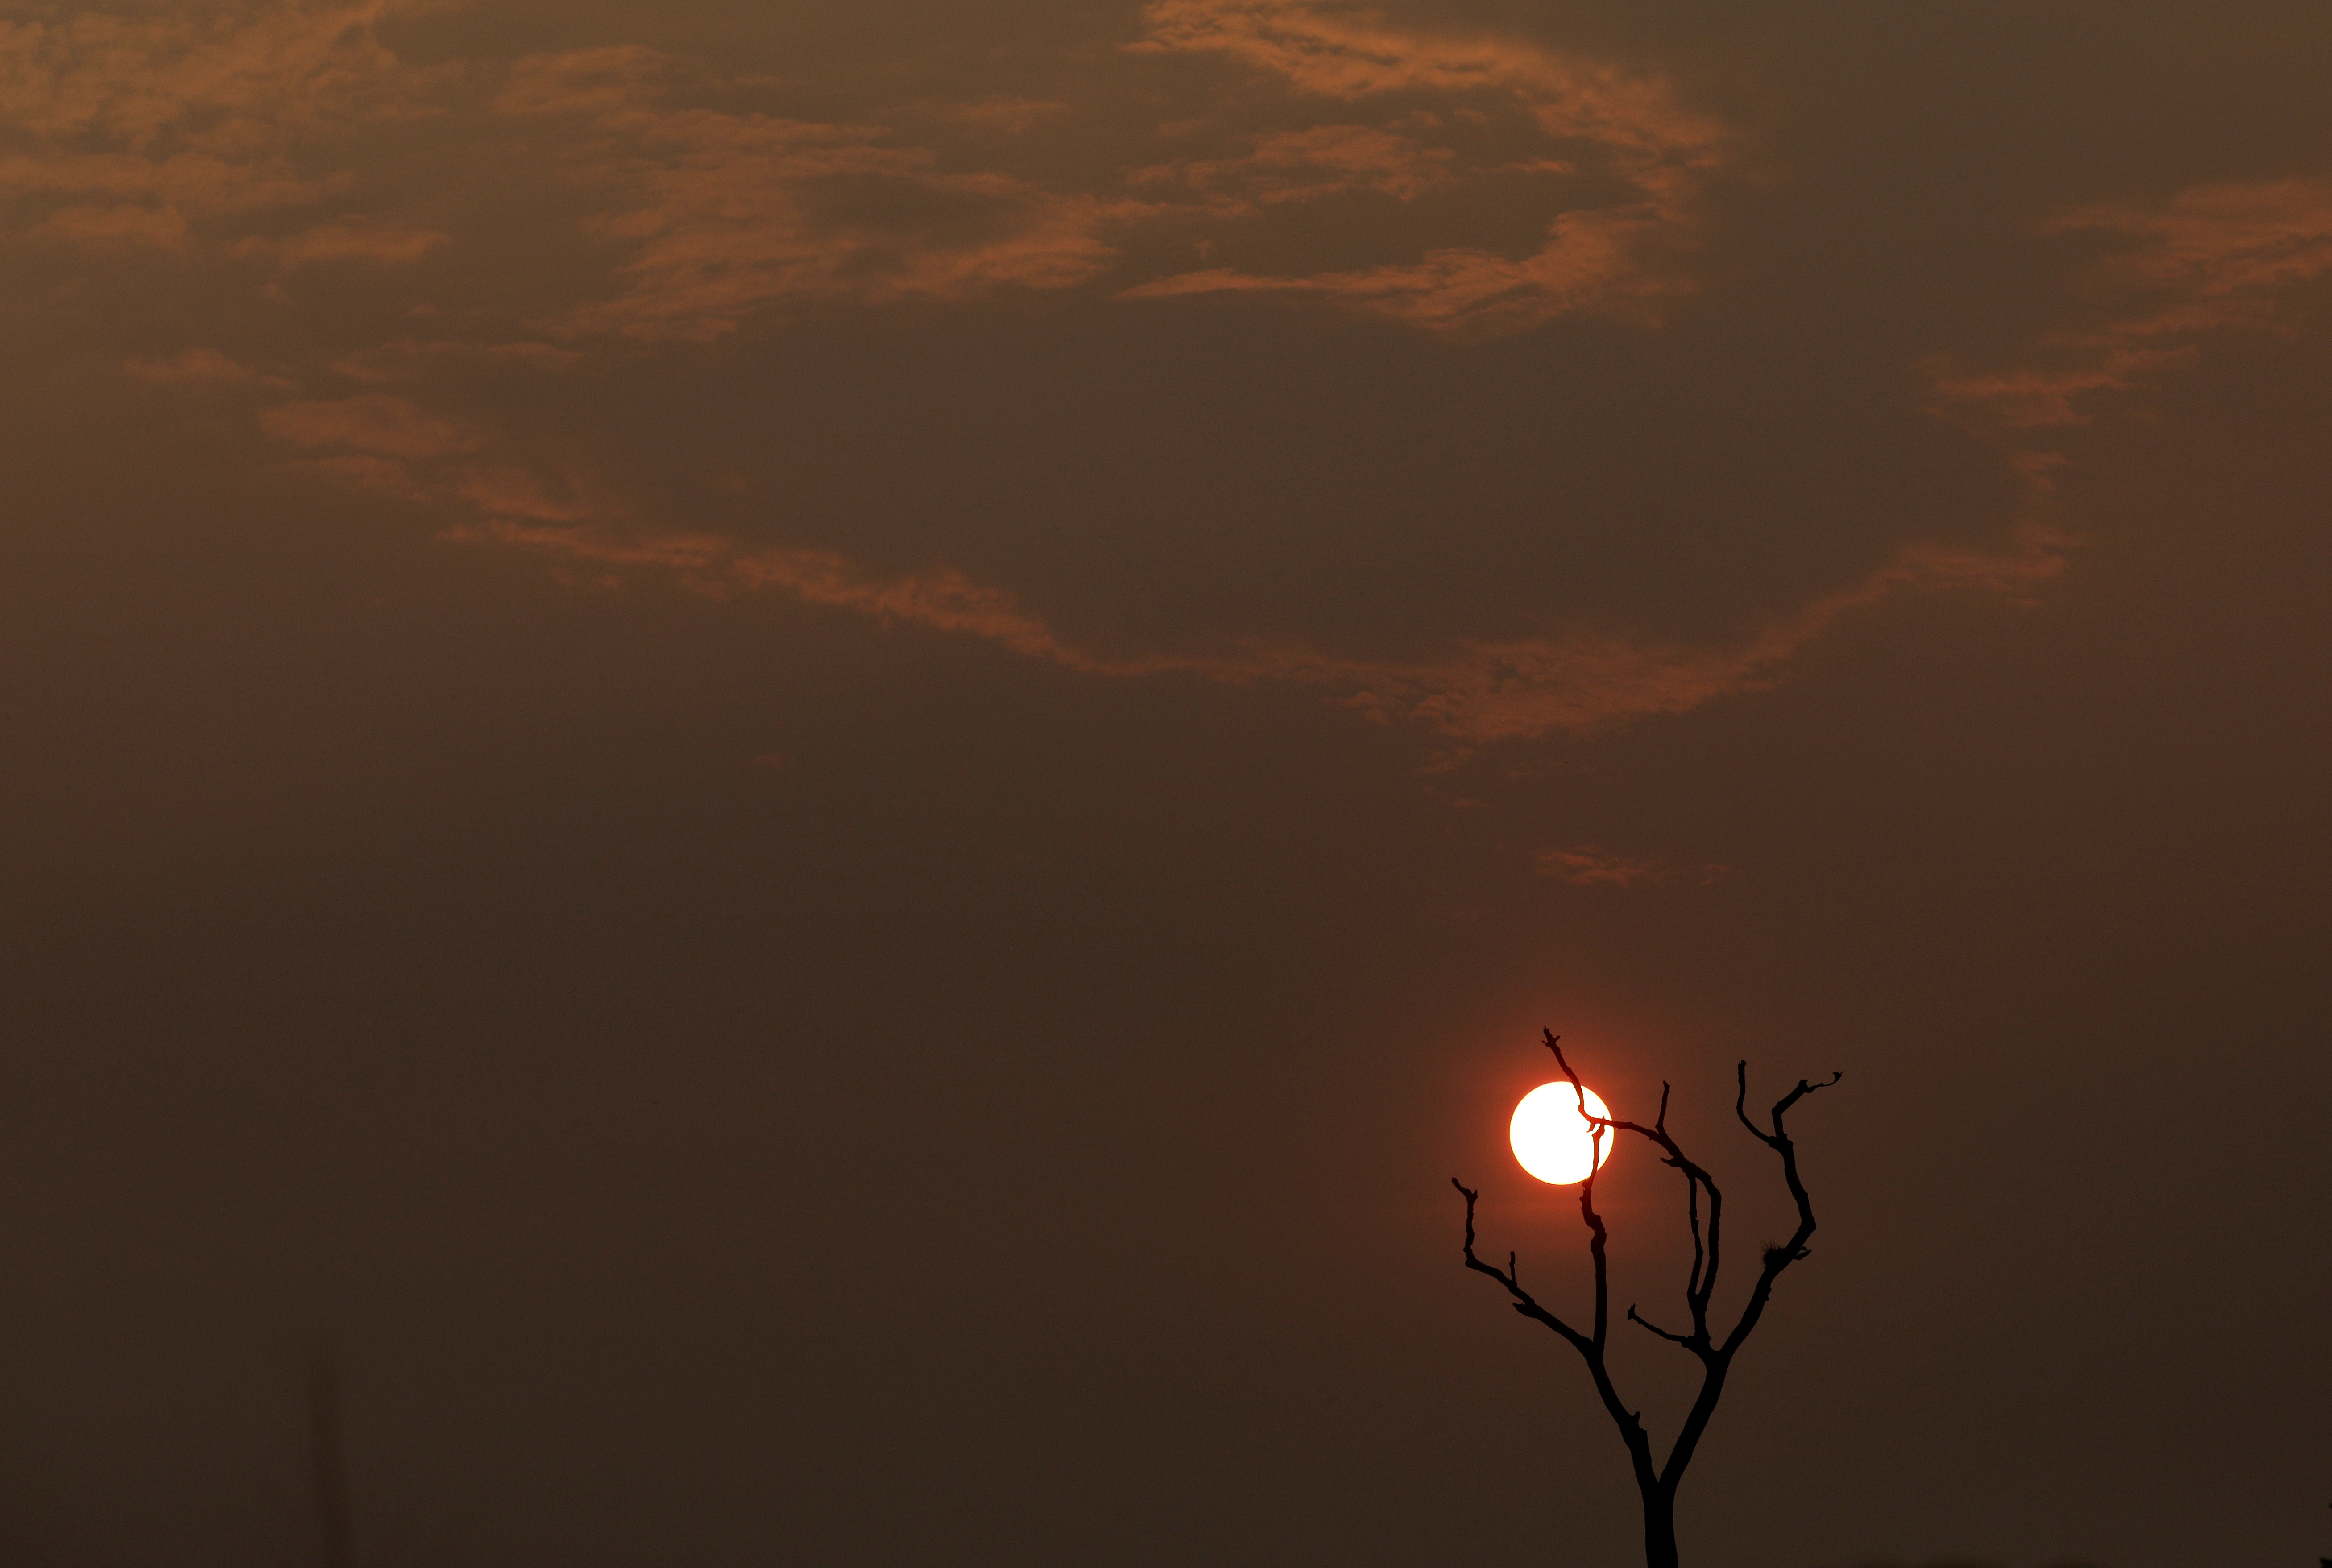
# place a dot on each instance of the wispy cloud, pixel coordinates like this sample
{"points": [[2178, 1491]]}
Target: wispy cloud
{"points": [[728, 214], [148, 128], [704, 210], [376, 424], [1478, 692], [218, 74], [2232, 251], [1310, 164], [2211, 259], [203, 367], [1586, 866], [242, 125], [409, 361], [1591, 262], [126, 223], [1349, 52], [1475, 692], [1599, 253], [2214, 258], [374, 242]]}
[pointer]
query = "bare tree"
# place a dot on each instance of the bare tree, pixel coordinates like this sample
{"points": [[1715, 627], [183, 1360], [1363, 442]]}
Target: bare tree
{"points": [[1658, 1482]]}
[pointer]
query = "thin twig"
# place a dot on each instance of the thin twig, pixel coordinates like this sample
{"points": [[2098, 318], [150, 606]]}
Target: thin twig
{"points": [[1639, 1319]]}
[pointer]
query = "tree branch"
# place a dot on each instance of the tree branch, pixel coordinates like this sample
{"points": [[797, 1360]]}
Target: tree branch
{"points": [[1590, 1348], [1776, 1258], [1524, 1302], [1700, 1286], [1642, 1321]]}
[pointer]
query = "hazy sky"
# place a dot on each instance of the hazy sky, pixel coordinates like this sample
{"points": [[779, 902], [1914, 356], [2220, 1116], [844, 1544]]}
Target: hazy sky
{"points": [[800, 769]]}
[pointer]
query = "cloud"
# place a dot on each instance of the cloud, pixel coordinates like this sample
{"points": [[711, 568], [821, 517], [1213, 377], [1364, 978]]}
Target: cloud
{"points": [[1611, 250], [2231, 248], [225, 72], [193, 182], [201, 367], [1479, 692], [2028, 399], [162, 228], [705, 214], [226, 125], [2211, 259], [1306, 165], [411, 360], [380, 242], [1592, 262], [363, 472], [158, 130], [388, 442], [1584, 865], [1584, 680], [2214, 258], [1345, 52], [1013, 116], [378, 424], [509, 490], [726, 214], [719, 215]]}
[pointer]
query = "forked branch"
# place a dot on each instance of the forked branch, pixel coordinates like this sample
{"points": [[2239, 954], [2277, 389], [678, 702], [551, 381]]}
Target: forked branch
{"points": [[1590, 1346]]}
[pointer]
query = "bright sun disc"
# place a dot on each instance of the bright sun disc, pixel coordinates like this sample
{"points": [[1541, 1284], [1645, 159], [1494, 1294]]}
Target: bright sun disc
{"points": [[1553, 1139]]}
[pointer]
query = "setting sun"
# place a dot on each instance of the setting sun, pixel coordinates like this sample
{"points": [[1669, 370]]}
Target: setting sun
{"points": [[1552, 1141]]}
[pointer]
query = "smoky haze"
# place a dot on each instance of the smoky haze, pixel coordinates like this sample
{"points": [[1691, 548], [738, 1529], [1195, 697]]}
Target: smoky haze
{"points": [[782, 785]]}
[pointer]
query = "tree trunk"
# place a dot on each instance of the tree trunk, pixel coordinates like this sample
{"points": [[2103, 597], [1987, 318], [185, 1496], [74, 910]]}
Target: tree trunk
{"points": [[1659, 1528]]}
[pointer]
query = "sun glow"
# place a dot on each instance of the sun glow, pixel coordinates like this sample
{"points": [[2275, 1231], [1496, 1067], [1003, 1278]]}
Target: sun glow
{"points": [[1552, 1141]]}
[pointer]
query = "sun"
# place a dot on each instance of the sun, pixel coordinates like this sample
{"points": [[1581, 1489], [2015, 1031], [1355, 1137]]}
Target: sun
{"points": [[1553, 1141]]}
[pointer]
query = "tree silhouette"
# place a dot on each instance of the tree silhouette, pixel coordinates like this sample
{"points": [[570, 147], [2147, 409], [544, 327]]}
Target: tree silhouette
{"points": [[1658, 1482]]}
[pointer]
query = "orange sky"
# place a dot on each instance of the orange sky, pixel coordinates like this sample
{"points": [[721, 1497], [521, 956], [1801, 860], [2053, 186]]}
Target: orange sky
{"points": [[815, 762]]}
